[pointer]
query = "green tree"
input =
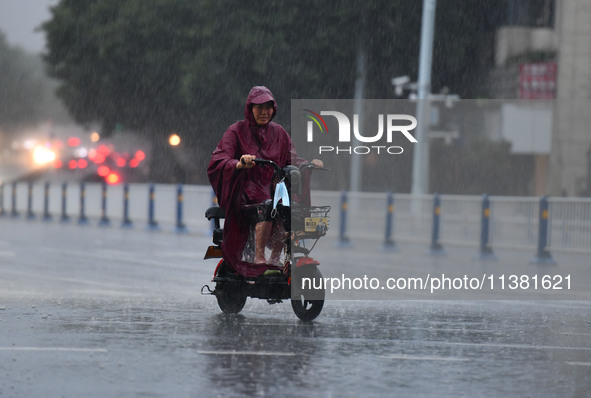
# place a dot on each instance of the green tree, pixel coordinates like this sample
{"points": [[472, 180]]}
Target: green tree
{"points": [[24, 88], [118, 62]]}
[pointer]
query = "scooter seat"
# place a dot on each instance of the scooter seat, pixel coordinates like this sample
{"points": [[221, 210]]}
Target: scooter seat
{"points": [[215, 213]]}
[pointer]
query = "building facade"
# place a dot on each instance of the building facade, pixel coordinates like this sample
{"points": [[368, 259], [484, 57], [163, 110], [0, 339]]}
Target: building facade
{"points": [[543, 52], [570, 156]]}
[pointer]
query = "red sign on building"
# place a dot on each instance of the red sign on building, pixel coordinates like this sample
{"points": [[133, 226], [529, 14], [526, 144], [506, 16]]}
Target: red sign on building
{"points": [[537, 80]]}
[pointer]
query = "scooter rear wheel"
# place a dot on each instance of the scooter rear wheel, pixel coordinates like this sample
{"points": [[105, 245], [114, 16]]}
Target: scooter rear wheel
{"points": [[307, 305], [231, 297]]}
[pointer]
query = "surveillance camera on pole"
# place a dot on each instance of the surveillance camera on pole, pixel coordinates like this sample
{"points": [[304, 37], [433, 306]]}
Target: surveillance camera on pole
{"points": [[399, 84], [400, 80]]}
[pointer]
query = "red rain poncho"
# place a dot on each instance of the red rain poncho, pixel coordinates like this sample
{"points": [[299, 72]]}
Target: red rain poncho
{"points": [[234, 187]]}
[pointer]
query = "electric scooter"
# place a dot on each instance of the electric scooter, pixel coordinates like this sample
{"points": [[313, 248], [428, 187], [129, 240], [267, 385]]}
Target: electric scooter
{"points": [[294, 280]]}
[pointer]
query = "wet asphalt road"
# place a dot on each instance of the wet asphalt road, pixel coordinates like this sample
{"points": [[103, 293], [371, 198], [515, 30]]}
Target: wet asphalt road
{"points": [[95, 312]]}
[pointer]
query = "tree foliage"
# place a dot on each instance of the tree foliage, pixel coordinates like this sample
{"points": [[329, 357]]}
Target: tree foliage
{"points": [[23, 88]]}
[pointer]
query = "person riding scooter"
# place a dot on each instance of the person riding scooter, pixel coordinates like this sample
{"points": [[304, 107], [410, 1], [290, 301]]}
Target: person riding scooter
{"points": [[238, 182]]}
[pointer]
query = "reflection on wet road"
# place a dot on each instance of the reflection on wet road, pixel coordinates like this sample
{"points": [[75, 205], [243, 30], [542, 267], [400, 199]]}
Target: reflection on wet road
{"points": [[97, 312], [165, 348]]}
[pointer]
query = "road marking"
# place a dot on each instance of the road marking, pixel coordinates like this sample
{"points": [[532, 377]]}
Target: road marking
{"points": [[274, 324], [54, 349], [517, 346], [575, 334], [579, 363], [259, 353], [88, 282], [415, 358]]}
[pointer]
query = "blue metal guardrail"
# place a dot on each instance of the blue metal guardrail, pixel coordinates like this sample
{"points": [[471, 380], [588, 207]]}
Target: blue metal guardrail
{"points": [[500, 219]]}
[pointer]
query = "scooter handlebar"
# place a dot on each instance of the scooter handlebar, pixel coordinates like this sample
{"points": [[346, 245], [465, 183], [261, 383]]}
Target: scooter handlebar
{"points": [[312, 166], [266, 162], [262, 162]]}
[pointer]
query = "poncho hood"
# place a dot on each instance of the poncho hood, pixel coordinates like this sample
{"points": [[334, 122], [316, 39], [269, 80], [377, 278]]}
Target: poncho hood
{"points": [[258, 95]]}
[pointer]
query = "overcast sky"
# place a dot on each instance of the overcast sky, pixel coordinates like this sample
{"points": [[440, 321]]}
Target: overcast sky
{"points": [[20, 18]]}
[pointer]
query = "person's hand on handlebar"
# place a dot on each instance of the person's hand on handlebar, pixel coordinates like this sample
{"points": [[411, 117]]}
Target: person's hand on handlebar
{"points": [[246, 162], [317, 163]]}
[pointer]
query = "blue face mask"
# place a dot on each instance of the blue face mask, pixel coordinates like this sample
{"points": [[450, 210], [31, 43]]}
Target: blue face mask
{"points": [[282, 195]]}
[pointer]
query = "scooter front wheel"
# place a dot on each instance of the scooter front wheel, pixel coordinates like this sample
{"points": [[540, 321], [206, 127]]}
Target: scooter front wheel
{"points": [[307, 303], [231, 297]]}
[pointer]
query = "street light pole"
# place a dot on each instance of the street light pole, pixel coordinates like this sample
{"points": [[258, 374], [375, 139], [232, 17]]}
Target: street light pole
{"points": [[420, 166], [356, 165]]}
